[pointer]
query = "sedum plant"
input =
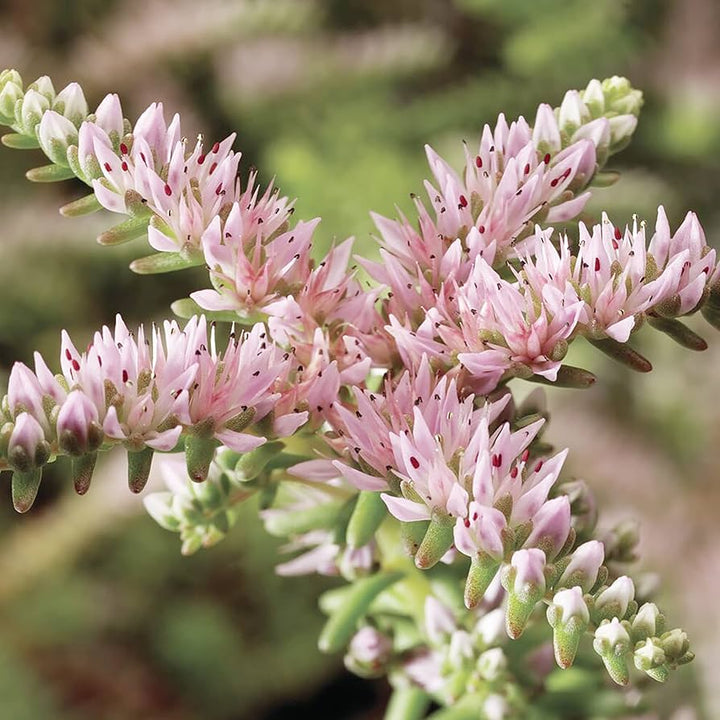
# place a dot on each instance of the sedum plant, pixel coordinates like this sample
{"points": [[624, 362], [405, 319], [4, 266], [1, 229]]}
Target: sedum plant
{"points": [[377, 426]]}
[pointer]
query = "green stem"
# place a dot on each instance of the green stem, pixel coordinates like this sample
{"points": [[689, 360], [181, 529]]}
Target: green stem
{"points": [[407, 703]]}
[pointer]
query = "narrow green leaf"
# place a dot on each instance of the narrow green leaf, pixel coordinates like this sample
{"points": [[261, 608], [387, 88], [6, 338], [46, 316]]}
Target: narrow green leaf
{"points": [[25, 488], [49, 173], [623, 353], [164, 262], [407, 703], [82, 206], [342, 624], [16, 141], [366, 518], [124, 232]]}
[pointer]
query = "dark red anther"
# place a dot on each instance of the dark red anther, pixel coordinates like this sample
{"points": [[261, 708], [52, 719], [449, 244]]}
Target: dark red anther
{"points": [[125, 376], [481, 229], [597, 264], [75, 365], [201, 159], [618, 234], [527, 168], [553, 183], [478, 161], [414, 462], [466, 522], [497, 460], [123, 148], [615, 244], [107, 167], [212, 168], [168, 190], [546, 159], [216, 147], [68, 355], [526, 454], [218, 189], [124, 166], [539, 465], [514, 472], [463, 201]]}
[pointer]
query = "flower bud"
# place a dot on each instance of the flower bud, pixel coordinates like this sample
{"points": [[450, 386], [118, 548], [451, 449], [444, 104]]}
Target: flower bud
{"points": [[25, 394], [439, 621], [29, 113], [369, 652], [524, 581], [569, 617], [546, 134], [650, 658], [495, 707], [27, 448], [614, 600], [71, 104], [490, 628], [491, 664], [620, 97], [55, 134], [648, 622], [551, 526], [44, 86], [11, 90], [612, 643], [572, 113], [621, 129], [594, 97], [675, 644], [583, 507], [78, 427], [584, 566]]}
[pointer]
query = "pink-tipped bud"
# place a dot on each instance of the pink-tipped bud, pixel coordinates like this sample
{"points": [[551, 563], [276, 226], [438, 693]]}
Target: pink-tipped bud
{"points": [[584, 566], [78, 427], [27, 447], [551, 526]]}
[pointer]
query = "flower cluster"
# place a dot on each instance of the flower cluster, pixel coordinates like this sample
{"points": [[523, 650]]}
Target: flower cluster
{"points": [[144, 393], [414, 456]]}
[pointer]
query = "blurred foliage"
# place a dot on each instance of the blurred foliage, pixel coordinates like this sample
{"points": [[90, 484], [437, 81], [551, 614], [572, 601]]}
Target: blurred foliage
{"points": [[334, 99]]}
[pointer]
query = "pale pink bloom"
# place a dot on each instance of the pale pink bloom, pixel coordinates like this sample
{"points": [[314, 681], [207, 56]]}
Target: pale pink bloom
{"points": [[551, 525], [373, 430], [440, 622], [26, 395], [687, 249], [502, 326], [249, 268], [622, 591], [611, 274]]}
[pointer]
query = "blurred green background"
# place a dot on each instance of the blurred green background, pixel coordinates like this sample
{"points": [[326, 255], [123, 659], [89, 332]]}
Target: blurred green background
{"points": [[101, 618]]}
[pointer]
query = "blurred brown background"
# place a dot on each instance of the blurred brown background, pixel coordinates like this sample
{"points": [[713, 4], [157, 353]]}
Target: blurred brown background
{"points": [[101, 618]]}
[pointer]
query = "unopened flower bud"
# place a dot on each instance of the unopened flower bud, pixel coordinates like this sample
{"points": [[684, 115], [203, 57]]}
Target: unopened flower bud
{"points": [[524, 581], [648, 622], [594, 97], [612, 643], [31, 110], [621, 97], [490, 628], [569, 617], [70, 102], [27, 448], [369, 652], [44, 86], [584, 566], [614, 600], [551, 527], [650, 658], [675, 644], [495, 707], [460, 649], [546, 135], [55, 134], [572, 113], [583, 506], [78, 427], [11, 90], [439, 621], [109, 117], [492, 664], [621, 129]]}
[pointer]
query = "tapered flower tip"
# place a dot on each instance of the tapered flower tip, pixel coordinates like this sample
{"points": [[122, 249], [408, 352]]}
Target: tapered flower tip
{"points": [[71, 102]]}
